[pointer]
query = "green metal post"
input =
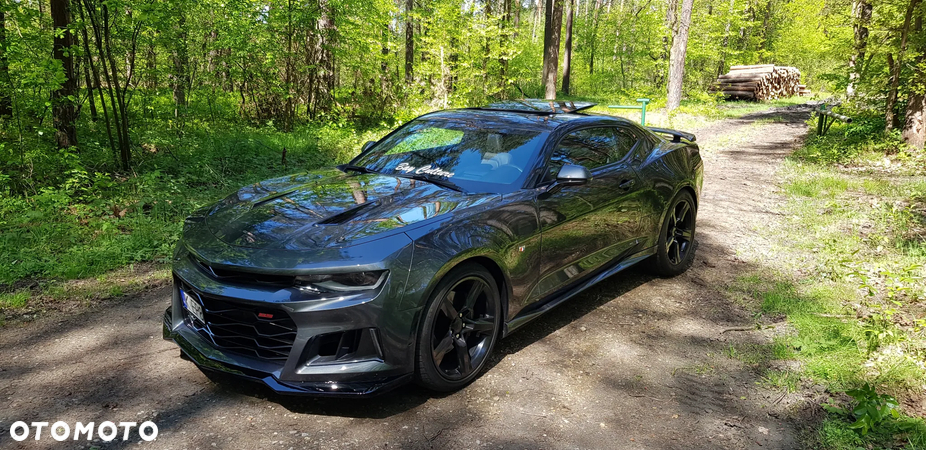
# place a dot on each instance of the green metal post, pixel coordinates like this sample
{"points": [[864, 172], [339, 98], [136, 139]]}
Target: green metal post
{"points": [[644, 101], [821, 119], [642, 109]]}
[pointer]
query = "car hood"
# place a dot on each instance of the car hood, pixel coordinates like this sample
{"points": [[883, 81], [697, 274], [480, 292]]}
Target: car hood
{"points": [[329, 208]]}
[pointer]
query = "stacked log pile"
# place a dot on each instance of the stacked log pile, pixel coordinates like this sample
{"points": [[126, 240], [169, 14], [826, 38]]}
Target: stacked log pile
{"points": [[760, 82]]}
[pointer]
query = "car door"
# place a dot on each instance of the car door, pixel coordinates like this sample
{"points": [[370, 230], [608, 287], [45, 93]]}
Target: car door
{"points": [[583, 228]]}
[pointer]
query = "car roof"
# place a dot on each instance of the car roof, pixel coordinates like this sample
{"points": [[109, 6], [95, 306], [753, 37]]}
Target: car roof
{"points": [[537, 106], [523, 120]]}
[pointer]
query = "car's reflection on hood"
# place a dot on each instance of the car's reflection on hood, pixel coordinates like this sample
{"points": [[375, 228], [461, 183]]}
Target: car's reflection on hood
{"points": [[329, 208]]}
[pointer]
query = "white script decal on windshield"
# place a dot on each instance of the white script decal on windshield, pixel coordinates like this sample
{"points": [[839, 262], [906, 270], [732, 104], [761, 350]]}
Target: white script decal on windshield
{"points": [[427, 170]]}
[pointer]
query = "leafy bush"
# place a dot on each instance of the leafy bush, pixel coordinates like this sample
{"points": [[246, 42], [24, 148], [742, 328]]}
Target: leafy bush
{"points": [[845, 141], [871, 409], [72, 214]]}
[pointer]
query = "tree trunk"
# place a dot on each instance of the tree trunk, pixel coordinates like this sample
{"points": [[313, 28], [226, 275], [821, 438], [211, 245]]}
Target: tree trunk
{"points": [[384, 63], [677, 57], [551, 34], [722, 65], [539, 10], [94, 70], [325, 59], [593, 41], [151, 66], [122, 119], [62, 99], [409, 41], [567, 57], [181, 61], [100, 21], [486, 51], [89, 82], [895, 73], [767, 24], [914, 130], [289, 111], [6, 105], [861, 12], [503, 39]]}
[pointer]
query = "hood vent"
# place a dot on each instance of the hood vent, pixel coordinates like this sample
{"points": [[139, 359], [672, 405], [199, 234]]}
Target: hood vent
{"points": [[347, 215]]}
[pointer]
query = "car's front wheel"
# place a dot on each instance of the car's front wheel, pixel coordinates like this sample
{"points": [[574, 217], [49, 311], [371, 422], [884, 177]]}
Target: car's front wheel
{"points": [[459, 328], [675, 248]]}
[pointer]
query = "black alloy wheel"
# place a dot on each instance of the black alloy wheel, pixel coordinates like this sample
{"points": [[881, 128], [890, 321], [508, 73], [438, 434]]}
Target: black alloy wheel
{"points": [[680, 235], [459, 329], [676, 246]]}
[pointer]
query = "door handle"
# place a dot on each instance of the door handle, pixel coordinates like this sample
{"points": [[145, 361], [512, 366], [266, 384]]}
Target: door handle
{"points": [[626, 184]]}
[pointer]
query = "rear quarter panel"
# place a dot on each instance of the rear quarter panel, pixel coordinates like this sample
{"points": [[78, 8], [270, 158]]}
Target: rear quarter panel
{"points": [[668, 169]]}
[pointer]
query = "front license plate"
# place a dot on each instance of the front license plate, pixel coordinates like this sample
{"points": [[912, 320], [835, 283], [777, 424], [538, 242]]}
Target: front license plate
{"points": [[195, 309]]}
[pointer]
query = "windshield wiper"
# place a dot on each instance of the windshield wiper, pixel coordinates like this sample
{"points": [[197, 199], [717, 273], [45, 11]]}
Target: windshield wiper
{"points": [[437, 181], [346, 167]]}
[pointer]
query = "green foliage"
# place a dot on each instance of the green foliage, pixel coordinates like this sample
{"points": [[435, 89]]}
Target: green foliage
{"points": [[846, 142], [16, 299], [84, 222], [855, 226], [870, 410]]}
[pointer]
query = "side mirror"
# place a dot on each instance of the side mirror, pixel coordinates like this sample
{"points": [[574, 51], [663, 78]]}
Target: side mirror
{"points": [[367, 146], [568, 175], [573, 175]]}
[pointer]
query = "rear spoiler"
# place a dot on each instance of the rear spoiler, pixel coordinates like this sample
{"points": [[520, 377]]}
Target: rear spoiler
{"points": [[677, 136]]}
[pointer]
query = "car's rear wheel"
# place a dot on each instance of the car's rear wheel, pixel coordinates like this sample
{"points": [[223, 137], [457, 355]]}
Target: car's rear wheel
{"points": [[675, 248], [459, 329]]}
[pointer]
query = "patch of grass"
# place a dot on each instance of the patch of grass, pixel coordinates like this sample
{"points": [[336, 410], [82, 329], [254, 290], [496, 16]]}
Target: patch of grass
{"points": [[65, 294], [848, 277], [757, 354], [834, 434], [863, 139], [698, 369], [817, 185], [906, 433], [16, 299], [782, 379]]}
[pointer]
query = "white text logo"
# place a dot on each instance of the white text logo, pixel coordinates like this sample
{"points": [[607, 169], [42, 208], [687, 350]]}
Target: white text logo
{"points": [[61, 431]]}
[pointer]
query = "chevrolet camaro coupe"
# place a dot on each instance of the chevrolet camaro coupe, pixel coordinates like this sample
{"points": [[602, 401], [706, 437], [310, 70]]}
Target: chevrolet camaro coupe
{"points": [[411, 261]]}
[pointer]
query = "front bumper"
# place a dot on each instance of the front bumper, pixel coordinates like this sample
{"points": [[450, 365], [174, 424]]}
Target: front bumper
{"points": [[347, 346], [364, 386]]}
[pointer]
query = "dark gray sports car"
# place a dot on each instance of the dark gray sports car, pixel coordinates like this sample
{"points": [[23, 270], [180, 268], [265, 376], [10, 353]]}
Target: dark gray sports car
{"points": [[411, 261]]}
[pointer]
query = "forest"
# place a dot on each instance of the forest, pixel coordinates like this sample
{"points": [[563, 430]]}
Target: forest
{"points": [[97, 87], [120, 117]]}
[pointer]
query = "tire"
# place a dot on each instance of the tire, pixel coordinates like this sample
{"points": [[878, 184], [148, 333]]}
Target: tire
{"points": [[459, 329], [675, 248]]}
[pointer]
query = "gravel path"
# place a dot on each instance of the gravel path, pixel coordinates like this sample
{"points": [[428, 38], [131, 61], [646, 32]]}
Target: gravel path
{"points": [[636, 362]]}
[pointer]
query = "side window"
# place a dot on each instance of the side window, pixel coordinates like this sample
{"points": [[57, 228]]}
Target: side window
{"points": [[591, 148], [625, 142], [643, 142]]}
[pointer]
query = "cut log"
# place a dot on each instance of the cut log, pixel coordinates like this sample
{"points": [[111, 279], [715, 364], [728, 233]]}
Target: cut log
{"points": [[752, 83], [759, 70], [750, 94], [755, 66], [758, 76], [760, 82]]}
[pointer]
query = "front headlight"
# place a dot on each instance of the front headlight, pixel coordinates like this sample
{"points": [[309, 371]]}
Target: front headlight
{"points": [[343, 282]]}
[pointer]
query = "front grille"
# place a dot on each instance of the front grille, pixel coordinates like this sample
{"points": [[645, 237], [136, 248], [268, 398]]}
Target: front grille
{"points": [[238, 328]]}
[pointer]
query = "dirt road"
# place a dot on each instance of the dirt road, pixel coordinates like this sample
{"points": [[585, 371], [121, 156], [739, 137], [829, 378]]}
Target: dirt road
{"points": [[636, 362]]}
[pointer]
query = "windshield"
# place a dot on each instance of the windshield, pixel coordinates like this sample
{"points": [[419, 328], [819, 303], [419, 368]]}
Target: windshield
{"points": [[477, 160]]}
